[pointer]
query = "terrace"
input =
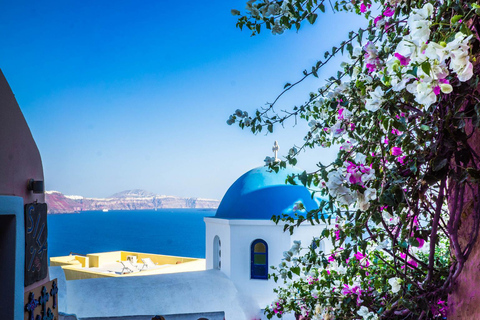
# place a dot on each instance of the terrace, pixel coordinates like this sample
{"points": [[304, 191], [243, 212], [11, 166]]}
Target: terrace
{"points": [[123, 264]]}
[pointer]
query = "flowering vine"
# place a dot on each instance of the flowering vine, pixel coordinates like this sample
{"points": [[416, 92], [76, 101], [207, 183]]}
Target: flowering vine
{"points": [[404, 113]]}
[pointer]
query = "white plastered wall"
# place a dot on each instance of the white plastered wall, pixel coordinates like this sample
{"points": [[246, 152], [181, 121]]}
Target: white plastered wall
{"points": [[220, 228], [237, 236]]}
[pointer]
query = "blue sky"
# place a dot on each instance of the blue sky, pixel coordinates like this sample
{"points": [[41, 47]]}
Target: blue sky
{"points": [[135, 94]]}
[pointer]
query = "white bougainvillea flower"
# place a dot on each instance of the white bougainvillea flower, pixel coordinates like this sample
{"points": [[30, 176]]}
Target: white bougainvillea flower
{"points": [[376, 99], [395, 283], [360, 158], [363, 312], [295, 249], [338, 129]]}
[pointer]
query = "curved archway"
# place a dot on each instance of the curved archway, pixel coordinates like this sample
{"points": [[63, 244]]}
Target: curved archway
{"points": [[217, 253]]}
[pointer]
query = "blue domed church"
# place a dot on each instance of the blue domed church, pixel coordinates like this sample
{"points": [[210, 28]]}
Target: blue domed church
{"points": [[241, 239]]}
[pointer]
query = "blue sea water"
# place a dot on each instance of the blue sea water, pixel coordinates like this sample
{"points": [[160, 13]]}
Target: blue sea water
{"points": [[179, 232]]}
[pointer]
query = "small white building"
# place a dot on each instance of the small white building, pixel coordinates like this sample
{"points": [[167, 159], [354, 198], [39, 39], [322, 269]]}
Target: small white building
{"points": [[241, 239], [242, 243]]}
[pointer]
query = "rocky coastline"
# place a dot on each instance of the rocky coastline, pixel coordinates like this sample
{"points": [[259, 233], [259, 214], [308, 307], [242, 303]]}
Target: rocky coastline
{"points": [[58, 203]]}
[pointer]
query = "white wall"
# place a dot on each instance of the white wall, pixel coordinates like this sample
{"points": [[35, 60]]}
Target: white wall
{"points": [[244, 232], [220, 228], [237, 237]]}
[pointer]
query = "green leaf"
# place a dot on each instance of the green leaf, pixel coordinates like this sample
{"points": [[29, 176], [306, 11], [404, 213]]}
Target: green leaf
{"points": [[350, 48], [287, 85], [439, 163], [296, 270], [235, 12], [403, 244], [311, 18], [413, 72], [426, 67], [360, 35], [303, 178], [456, 18], [475, 174], [414, 242], [321, 7], [425, 127]]}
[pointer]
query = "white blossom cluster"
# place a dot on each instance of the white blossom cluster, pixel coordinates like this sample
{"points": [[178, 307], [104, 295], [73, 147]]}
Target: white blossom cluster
{"points": [[416, 51]]}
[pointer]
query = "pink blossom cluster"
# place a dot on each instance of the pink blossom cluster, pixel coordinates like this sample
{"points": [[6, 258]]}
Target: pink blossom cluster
{"points": [[355, 173]]}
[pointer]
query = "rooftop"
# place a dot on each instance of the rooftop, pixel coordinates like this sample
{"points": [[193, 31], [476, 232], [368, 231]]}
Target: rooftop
{"points": [[123, 264], [261, 193]]}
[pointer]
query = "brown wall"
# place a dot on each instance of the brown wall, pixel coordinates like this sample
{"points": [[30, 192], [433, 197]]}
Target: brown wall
{"points": [[19, 156], [20, 160]]}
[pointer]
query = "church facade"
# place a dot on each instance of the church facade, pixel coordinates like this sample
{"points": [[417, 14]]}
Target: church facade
{"points": [[241, 239]]}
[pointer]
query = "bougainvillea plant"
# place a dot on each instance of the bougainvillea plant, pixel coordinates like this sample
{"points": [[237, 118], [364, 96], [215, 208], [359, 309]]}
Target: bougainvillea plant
{"points": [[404, 112]]}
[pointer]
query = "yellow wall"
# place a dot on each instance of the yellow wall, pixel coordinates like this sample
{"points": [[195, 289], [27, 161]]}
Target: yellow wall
{"points": [[72, 273], [99, 259], [77, 267], [65, 261], [156, 258]]}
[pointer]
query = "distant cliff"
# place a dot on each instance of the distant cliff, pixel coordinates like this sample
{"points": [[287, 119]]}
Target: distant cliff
{"points": [[126, 200]]}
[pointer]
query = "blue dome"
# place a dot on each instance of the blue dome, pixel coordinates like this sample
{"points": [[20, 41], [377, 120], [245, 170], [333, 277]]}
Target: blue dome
{"points": [[261, 193]]}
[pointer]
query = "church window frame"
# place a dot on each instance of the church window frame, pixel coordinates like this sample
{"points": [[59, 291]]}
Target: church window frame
{"points": [[259, 260]]}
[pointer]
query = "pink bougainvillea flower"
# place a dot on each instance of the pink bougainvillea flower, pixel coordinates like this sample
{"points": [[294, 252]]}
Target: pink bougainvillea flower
{"points": [[337, 234], [404, 61], [386, 141], [352, 126], [401, 160], [388, 12], [363, 7], [396, 151], [413, 263], [375, 21], [421, 242], [397, 132], [436, 90], [331, 258], [415, 221], [359, 255], [371, 67]]}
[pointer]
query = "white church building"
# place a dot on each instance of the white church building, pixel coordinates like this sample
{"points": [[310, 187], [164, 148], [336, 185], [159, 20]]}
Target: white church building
{"points": [[242, 243], [241, 239]]}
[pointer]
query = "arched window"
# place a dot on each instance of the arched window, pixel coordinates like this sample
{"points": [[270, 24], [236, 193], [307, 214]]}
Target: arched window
{"points": [[217, 253], [259, 260]]}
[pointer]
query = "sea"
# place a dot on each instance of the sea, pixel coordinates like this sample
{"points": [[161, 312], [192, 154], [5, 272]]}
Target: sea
{"points": [[178, 232]]}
